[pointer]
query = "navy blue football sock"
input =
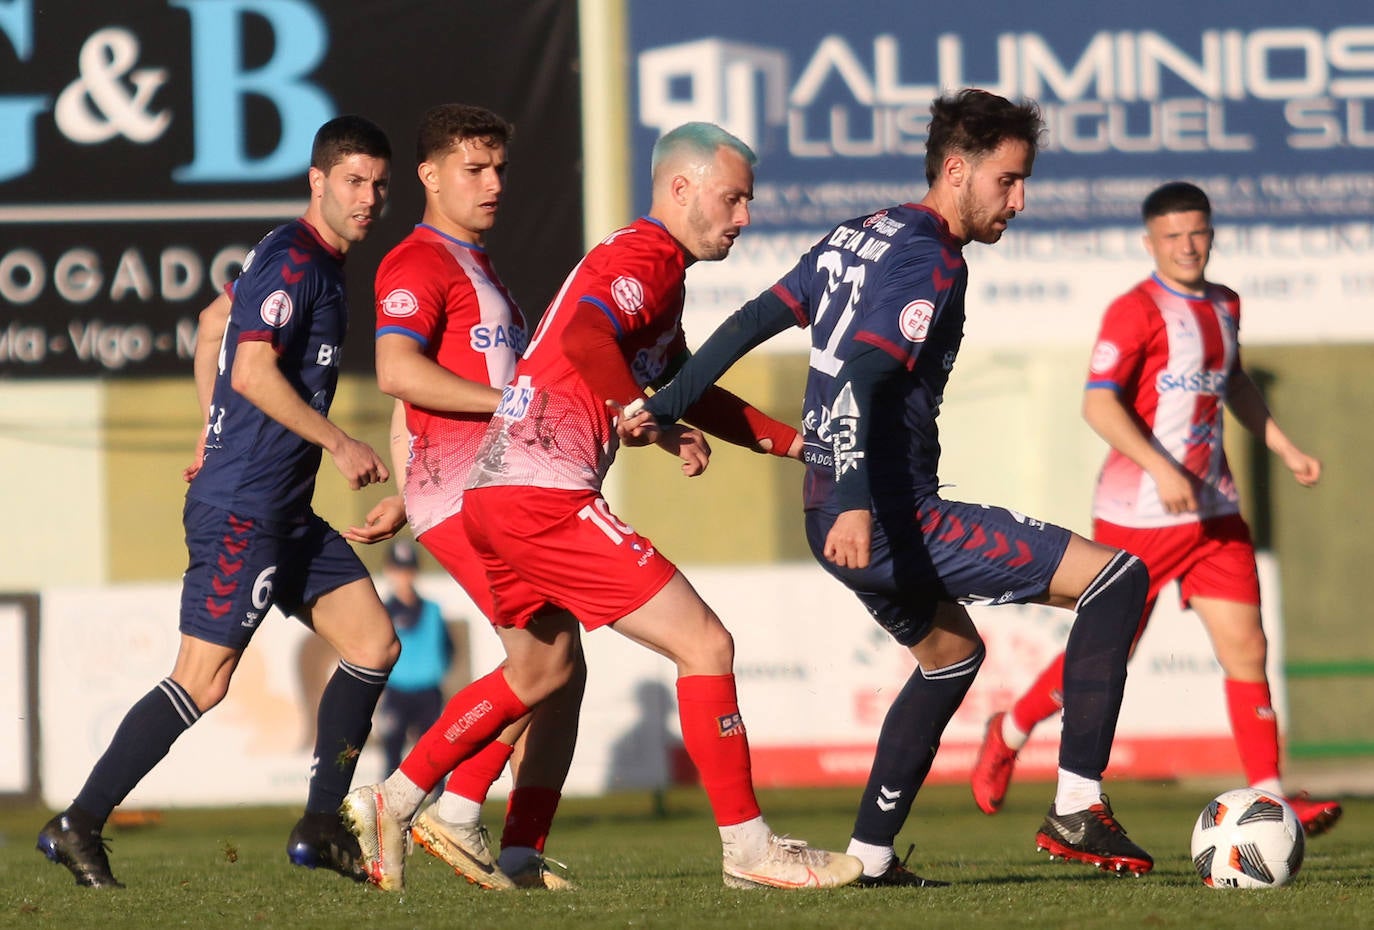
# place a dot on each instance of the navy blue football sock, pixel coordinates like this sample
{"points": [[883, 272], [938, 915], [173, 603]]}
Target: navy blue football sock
{"points": [[345, 720], [906, 746], [146, 734], [1095, 663]]}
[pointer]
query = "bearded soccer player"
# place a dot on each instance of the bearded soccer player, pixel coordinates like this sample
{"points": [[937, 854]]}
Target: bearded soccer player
{"points": [[552, 547], [1166, 363], [883, 296], [253, 539], [448, 338]]}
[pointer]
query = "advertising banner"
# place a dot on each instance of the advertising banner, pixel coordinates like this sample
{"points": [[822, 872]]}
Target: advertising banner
{"points": [[149, 144], [1269, 108], [815, 677]]}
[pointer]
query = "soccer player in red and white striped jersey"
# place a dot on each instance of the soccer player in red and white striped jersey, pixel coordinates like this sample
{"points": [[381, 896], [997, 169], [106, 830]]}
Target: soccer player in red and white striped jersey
{"points": [[1166, 363]]}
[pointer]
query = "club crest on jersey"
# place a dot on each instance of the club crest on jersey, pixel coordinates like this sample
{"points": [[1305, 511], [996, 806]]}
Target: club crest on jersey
{"points": [[399, 303], [276, 309], [1105, 355], [915, 319], [628, 294], [730, 724]]}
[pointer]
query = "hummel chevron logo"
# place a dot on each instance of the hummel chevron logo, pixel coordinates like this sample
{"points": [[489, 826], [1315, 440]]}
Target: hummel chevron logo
{"points": [[887, 798]]}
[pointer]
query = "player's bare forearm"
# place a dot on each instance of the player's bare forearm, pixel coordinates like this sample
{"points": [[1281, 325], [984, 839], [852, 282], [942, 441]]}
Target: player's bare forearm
{"points": [[1246, 403], [258, 379], [210, 329], [213, 321], [1110, 419], [406, 373]]}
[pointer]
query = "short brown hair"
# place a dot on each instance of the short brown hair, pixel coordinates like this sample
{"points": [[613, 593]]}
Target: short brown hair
{"points": [[348, 135], [449, 123]]}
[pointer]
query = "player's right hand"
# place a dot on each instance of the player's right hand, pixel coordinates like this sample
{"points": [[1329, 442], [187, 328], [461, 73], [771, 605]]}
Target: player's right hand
{"points": [[359, 463], [190, 471], [1175, 489], [634, 424], [850, 540]]}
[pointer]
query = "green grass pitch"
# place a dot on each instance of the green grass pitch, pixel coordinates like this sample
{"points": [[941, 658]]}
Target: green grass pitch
{"points": [[642, 864]]}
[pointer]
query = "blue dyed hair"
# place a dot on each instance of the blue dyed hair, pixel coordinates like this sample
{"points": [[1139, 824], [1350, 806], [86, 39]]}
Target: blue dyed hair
{"points": [[697, 139]]}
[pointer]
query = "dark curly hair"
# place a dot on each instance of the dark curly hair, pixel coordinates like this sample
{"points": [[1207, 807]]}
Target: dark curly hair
{"points": [[975, 122], [443, 126]]}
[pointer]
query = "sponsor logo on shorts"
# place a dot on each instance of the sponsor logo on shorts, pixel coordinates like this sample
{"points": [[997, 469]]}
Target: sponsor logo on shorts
{"points": [[399, 303], [730, 724], [276, 309], [628, 294]]}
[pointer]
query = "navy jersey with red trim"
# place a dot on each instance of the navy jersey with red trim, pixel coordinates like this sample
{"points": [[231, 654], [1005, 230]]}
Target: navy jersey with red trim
{"points": [[893, 280], [291, 295]]}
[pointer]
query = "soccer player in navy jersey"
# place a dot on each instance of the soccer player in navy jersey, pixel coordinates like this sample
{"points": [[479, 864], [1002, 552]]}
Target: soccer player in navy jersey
{"points": [[252, 537], [883, 296]]}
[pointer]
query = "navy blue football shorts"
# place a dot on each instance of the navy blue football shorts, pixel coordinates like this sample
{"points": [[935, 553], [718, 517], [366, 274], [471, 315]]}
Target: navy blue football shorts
{"points": [[945, 551], [241, 566]]}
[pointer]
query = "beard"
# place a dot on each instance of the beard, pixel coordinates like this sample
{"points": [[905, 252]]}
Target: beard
{"points": [[980, 222], [706, 247]]}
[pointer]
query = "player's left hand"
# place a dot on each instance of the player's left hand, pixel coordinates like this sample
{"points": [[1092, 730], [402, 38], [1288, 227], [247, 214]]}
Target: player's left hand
{"points": [[690, 446], [850, 540], [383, 522], [1306, 469]]}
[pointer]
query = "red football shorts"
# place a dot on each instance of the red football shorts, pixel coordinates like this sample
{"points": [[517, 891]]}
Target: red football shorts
{"points": [[550, 548], [448, 543], [1210, 558]]}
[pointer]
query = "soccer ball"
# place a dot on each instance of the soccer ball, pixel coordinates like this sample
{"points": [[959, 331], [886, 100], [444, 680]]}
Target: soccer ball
{"points": [[1247, 838]]}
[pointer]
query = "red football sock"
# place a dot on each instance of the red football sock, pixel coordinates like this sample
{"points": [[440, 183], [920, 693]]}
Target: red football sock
{"points": [[1255, 727], [529, 815], [713, 734], [473, 777], [1042, 699], [469, 721]]}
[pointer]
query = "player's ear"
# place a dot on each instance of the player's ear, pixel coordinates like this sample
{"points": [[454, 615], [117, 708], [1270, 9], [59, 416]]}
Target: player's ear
{"points": [[955, 169], [428, 174], [316, 177], [680, 185]]}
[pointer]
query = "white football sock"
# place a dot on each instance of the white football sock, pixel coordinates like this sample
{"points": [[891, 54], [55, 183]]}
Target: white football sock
{"points": [[456, 809], [1076, 793], [745, 842], [876, 859], [1013, 735], [402, 795]]}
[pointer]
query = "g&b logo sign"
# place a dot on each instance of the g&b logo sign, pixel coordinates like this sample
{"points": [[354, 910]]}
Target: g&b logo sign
{"points": [[133, 82], [147, 146]]}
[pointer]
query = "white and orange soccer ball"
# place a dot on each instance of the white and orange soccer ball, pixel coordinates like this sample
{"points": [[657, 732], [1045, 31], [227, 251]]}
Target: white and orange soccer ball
{"points": [[1247, 838]]}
